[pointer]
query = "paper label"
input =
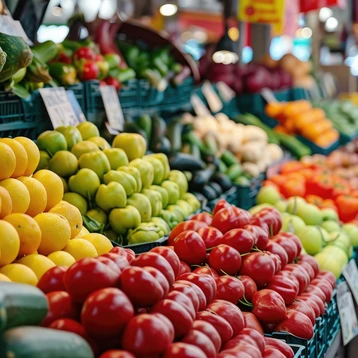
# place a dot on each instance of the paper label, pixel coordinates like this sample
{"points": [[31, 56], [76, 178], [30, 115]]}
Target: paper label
{"points": [[350, 273], [226, 93], [12, 27], [268, 95], [58, 107], [199, 107], [112, 107], [110, 129], [347, 313], [211, 97], [76, 106]]}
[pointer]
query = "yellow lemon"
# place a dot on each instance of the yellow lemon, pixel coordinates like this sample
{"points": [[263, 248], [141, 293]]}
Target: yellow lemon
{"points": [[4, 278], [83, 232], [38, 196], [33, 154], [72, 214], [9, 243], [53, 185], [20, 154], [20, 273], [56, 232], [80, 249], [77, 200], [7, 161], [28, 230], [88, 130], [6, 202], [100, 242], [61, 258], [37, 263], [66, 189], [20, 196]]}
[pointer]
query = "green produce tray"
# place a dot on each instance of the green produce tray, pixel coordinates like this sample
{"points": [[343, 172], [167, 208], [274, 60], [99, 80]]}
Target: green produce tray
{"points": [[298, 93], [298, 350], [78, 90], [128, 94], [145, 247], [93, 100], [230, 196], [317, 149], [179, 95], [19, 117], [246, 195], [148, 95], [331, 317]]}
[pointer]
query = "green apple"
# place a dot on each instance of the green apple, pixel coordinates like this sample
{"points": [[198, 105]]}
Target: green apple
{"points": [[100, 142], [257, 208], [72, 135], [164, 194], [340, 239], [111, 196], [294, 203], [84, 147], [329, 214], [281, 206], [173, 191], [158, 169], [178, 212], [85, 182], [193, 201], [179, 177], [117, 157], [352, 231], [142, 204], [310, 214], [268, 195], [146, 171], [326, 237], [292, 223], [134, 172], [330, 262], [311, 239], [331, 225], [155, 199], [88, 130], [125, 179], [96, 161], [186, 207]]}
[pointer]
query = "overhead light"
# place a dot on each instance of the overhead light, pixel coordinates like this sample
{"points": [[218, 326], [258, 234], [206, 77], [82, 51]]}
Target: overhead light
{"points": [[168, 9], [225, 51], [57, 10], [331, 24], [325, 13], [306, 33]]}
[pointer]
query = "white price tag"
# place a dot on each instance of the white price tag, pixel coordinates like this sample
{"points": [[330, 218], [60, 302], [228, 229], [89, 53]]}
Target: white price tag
{"points": [[199, 107], [110, 129], [350, 273], [113, 107], [12, 27], [226, 93], [268, 95], [347, 313], [211, 97], [58, 107]]}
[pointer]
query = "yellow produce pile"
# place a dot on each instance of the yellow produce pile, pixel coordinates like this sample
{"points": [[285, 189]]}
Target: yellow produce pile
{"points": [[37, 229]]}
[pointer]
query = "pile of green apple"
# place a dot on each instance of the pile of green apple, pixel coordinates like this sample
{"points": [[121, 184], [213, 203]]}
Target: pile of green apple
{"points": [[121, 192], [320, 231]]}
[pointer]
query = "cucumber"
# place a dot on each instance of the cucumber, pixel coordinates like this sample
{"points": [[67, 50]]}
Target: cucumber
{"points": [[228, 158], [174, 130], [234, 171], [145, 122], [18, 55], [23, 305], [39, 342]]}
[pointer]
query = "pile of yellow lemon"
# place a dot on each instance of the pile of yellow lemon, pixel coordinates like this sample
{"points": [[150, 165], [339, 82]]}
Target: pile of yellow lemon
{"points": [[37, 229]]}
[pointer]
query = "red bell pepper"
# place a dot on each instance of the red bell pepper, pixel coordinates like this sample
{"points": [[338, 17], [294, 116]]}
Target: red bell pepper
{"points": [[347, 207], [321, 185]]}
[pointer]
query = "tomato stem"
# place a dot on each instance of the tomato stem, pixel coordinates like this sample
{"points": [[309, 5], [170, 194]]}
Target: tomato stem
{"points": [[247, 303]]}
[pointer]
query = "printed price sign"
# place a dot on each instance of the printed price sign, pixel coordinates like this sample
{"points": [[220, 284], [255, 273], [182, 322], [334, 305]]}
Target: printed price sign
{"points": [[350, 273], [199, 107], [58, 107], [112, 107], [347, 313], [268, 95]]}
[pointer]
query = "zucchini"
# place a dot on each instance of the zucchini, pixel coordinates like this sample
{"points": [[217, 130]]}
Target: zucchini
{"points": [[161, 145], [186, 162], [234, 171], [297, 148], [2, 58], [201, 178], [159, 128], [216, 187], [21, 305], [174, 130], [209, 193], [39, 342], [228, 158], [18, 55], [223, 180], [145, 122]]}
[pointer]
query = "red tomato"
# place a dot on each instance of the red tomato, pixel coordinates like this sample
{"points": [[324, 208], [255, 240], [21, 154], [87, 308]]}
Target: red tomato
{"points": [[276, 260], [309, 269], [287, 288], [170, 256], [52, 280], [198, 291], [159, 277], [328, 276], [190, 225], [119, 251], [119, 260], [252, 322], [209, 330], [240, 239], [157, 261], [221, 204], [148, 334], [220, 324], [117, 353], [88, 275], [259, 266], [297, 324], [261, 237], [229, 288], [277, 249], [288, 245], [112, 81], [311, 303], [230, 312], [204, 217], [271, 217], [313, 297], [211, 236], [236, 354], [69, 325], [190, 247], [281, 346], [301, 275], [306, 309], [244, 347], [111, 264], [325, 286], [271, 352], [189, 292], [206, 270], [256, 336], [317, 291], [269, 306], [225, 259], [249, 285], [84, 53], [184, 268], [294, 238], [178, 316], [60, 306], [183, 350], [183, 300], [130, 255], [202, 341], [240, 339], [230, 218]]}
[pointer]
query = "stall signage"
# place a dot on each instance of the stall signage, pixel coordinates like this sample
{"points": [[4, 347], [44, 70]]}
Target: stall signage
{"points": [[112, 107], [350, 273]]}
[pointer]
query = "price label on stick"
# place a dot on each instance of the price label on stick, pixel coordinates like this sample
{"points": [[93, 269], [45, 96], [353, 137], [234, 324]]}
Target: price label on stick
{"points": [[58, 107], [211, 97], [112, 107], [347, 313], [350, 273], [199, 107], [268, 95]]}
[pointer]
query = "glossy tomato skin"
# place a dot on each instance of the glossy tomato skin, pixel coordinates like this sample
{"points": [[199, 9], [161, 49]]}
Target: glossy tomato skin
{"points": [[145, 334], [157, 261], [313, 297], [52, 280], [269, 306], [271, 352], [140, 286], [68, 325], [272, 217], [111, 264], [230, 289], [184, 350], [127, 253], [61, 305], [306, 309], [221, 204], [159, 277], [88, 275], [205, 217], [184, 301], [190, 225], [311, 261], [190, 247], [184, 268], [325, 286], [120, 260], [256, 336], [225, 259], [244, 347], [230, 218], [309, 269], [207, 270], [252, 322], [277, 249], [202, 341], [288, 245], [300, 274], [249, 285], [211, 236], [106, 312], [240, 239], [170, 256], [130, 255], [209, 330], [233, 342], [117, 353], [296, 323], [205, 282], [317, 291], [276, 260], [259, 266], [189, 292], [261, 236], [287, 288], [198, 291], [294, 238], [328, 276], [281, 346]]}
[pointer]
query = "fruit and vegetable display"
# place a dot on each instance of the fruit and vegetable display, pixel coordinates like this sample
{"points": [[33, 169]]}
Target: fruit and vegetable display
{"points": [[120, 191]]}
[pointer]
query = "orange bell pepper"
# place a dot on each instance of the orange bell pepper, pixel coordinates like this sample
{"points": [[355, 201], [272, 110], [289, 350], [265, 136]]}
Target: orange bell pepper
{"points": [[328, 204], [293, 166], [293, 187], [314, 199]]}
